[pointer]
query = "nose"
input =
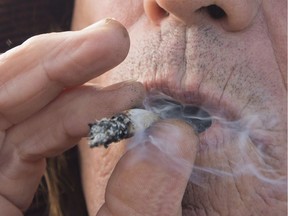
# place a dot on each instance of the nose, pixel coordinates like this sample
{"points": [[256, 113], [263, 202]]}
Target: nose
{"points": [[234, 15]]}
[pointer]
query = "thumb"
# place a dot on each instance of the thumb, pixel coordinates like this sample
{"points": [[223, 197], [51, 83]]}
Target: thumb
{"points": [[151, 178]]}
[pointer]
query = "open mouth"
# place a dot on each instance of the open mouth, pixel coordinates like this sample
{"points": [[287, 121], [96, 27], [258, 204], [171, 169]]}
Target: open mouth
{"points": [[166, 107]]}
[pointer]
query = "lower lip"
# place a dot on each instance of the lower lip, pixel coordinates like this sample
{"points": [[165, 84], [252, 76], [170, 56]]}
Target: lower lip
{"points": [[221, 133], [211, 137]]}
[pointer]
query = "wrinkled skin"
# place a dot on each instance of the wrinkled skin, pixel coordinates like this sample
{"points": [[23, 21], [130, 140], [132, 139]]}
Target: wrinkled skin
{"points": [[235, 68], [231, 64]]}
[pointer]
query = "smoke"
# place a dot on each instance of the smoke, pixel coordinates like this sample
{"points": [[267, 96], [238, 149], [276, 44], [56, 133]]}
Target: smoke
{"points": [[166, 107], [227, 148]]}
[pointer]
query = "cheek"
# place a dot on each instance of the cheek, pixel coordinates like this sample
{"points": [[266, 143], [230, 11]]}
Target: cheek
{"points": [[96, 167], [277, 28]]}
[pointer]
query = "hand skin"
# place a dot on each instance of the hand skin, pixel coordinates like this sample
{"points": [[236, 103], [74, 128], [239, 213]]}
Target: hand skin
{"points": [[148, 180], [235, 67], [45, 107]]}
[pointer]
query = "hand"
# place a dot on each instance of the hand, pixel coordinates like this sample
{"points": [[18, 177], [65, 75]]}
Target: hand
{"points": [[150, 179], [44, 110]]}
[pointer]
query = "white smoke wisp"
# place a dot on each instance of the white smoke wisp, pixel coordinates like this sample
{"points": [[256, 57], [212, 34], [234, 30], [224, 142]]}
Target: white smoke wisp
{"points": [[230, 152]]}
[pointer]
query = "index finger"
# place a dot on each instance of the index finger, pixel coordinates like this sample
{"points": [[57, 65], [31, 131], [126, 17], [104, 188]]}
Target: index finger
{"points": [[34, 73]]}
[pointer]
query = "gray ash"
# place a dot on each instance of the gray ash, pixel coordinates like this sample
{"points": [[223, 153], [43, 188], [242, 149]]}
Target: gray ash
{"points": [[106, 131], [121, 126]]}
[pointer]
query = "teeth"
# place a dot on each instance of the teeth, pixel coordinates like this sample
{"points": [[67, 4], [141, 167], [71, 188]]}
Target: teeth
{"points": [[198, 118]]}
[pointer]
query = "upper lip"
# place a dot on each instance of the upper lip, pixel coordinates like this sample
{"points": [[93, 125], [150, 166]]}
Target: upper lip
{"points": [[172, 70], [216, 107], [170, 77]]}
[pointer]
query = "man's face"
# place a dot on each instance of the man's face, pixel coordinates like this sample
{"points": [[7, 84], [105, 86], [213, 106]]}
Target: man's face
{"points": [[231, 62]]}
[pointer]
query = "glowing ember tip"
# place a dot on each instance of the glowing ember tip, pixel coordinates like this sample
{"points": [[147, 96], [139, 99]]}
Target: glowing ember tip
{"points": [[121, 126]]}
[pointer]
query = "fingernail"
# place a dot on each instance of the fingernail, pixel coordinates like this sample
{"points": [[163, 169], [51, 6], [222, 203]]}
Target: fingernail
{"points": [[101, 23], [111, 23]]}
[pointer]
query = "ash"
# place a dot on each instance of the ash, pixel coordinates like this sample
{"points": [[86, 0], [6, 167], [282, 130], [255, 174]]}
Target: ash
{"points": [[107, 131]]}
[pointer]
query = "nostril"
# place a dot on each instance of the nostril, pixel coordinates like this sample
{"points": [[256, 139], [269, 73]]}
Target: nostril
{"points": [[162, 12], [154, 11], [215, 12]]}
